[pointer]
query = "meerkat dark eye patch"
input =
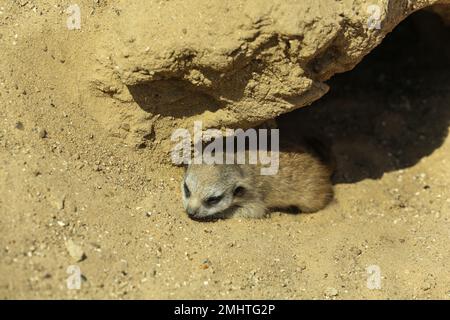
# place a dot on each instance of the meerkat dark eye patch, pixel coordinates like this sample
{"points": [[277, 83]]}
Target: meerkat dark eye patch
{"points": [[187, 193], [211, 201], [239, 191]]}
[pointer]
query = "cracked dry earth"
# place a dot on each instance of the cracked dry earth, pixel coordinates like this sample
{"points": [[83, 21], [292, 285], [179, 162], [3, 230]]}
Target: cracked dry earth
{"points": [[73, 194]]}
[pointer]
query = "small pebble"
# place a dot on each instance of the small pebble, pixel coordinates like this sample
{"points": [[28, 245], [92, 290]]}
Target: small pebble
{"points": [[331, 292], [19, 125], [356, 251], [42, 133], [75, 251], [61, 223], [60, 203]]}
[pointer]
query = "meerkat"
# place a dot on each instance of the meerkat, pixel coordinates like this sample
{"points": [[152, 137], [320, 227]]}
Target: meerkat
{"points": [[217, 191]]}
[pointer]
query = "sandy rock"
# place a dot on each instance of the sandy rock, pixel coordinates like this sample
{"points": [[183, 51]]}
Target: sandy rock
{"points": [[250, 63]]}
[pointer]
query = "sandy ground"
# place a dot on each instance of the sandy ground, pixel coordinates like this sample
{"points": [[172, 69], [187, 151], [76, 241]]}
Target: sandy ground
{"points": [[68, 184]]}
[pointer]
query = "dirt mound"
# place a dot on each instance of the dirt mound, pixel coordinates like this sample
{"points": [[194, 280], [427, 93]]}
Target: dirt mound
{"points": [[240, 63]]}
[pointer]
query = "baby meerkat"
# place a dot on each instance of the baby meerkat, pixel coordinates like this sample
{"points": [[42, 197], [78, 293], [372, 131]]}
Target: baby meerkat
{"points": [[224, 190]]}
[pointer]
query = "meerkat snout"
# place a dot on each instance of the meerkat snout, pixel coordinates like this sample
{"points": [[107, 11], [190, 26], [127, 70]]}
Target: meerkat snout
{"points": [[213, 191]]}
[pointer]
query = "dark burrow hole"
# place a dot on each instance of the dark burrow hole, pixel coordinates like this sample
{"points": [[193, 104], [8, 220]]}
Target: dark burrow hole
{"points": [[391, 110]]}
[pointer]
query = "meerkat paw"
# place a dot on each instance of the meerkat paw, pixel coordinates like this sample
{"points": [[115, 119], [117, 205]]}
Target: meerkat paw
{"points": [[254, 210]]}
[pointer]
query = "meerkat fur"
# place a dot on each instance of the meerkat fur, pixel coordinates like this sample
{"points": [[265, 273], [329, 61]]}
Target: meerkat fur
{"points": [[225, 190]]}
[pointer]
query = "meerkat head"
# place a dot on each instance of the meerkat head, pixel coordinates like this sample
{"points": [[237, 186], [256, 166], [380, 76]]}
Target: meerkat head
{"points": [[212, 191]]}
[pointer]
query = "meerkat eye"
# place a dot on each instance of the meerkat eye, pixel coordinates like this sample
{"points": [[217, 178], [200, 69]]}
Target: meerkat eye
{"points": [[239, 191], [187, 193], [211, 201]]}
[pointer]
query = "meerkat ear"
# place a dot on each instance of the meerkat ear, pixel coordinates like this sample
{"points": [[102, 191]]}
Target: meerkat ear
{"points": [[239, 191]]}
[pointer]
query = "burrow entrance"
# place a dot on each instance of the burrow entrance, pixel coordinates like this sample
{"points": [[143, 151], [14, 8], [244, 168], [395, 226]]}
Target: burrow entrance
{"points": [[391, 110]]}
